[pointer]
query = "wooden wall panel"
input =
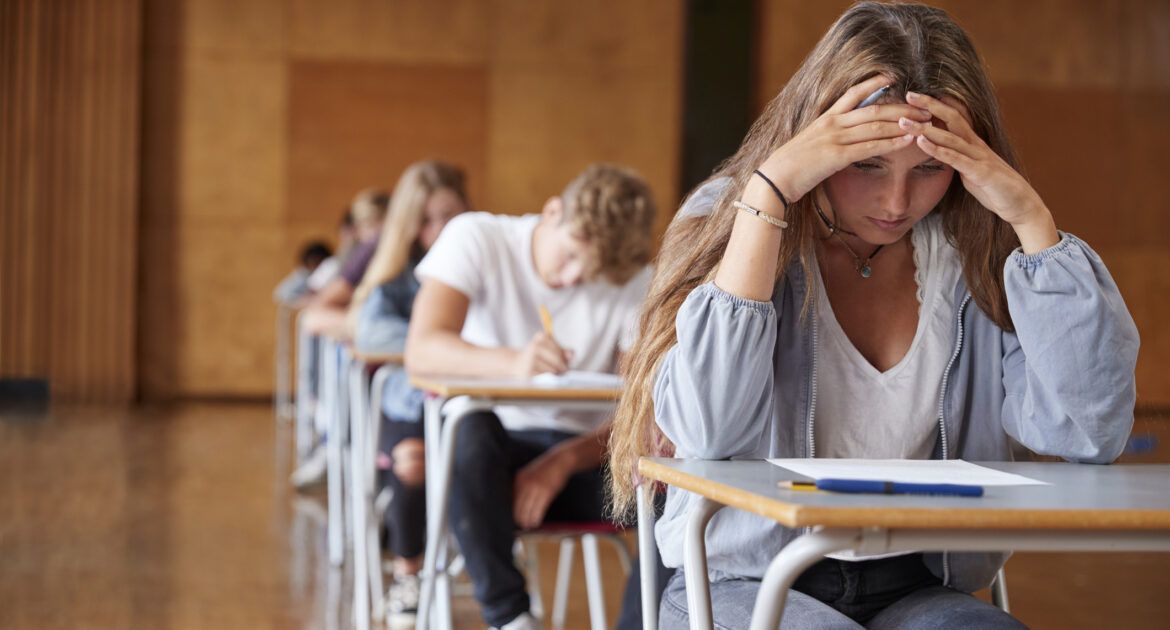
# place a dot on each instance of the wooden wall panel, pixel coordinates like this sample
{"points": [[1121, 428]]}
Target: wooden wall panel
{"points": [[358, 124], [213, 196], [262, 119], [1085, 90], [574, 83], [70, 77], [445, 32]]}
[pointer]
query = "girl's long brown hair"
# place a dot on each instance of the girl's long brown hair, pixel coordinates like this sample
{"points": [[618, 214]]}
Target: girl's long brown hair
{"points": [[404, 220], [921, 49]]}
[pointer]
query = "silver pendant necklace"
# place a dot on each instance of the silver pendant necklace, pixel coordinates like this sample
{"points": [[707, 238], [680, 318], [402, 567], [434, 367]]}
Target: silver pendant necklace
{"points": [[860, 265]]}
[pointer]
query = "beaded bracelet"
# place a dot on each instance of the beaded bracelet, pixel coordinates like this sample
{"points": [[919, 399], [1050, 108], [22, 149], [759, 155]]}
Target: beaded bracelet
{"points": [[771, 220]]}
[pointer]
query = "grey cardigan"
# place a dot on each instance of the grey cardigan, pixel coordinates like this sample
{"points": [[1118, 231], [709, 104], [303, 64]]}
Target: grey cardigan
{"points": [[740, 384]]}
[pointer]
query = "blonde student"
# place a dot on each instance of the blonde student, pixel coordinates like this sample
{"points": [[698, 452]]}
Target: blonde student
{"points": [[478, 313], [428, 195], [870, 276]]}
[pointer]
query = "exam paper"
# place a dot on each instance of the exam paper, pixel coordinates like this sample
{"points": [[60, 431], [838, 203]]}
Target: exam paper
{"points": [[579, 379], [906, 470]]}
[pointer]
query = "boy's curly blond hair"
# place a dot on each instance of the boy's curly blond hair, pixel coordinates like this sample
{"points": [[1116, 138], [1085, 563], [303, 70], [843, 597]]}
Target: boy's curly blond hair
{"points": [[612, 208]]}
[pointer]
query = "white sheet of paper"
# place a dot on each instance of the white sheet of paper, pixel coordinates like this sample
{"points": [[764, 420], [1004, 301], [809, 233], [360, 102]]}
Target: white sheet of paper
{"points": [[579, 379], [906, 470]]}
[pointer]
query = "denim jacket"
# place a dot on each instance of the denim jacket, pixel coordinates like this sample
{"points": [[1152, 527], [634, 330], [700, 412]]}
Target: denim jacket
{"points": [[381, 328], [740, 384]]}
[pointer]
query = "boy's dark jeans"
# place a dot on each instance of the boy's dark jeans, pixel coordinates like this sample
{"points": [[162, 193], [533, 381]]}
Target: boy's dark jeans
{"points": [[487, 458]]}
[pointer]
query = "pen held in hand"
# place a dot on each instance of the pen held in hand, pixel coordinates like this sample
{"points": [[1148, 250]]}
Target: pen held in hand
{"points": [[869, 486], [546, 320]]}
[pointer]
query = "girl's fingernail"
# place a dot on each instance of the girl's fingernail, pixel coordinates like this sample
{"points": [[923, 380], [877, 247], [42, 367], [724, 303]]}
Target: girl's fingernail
{"points": [[913, 95], [905, 122]]}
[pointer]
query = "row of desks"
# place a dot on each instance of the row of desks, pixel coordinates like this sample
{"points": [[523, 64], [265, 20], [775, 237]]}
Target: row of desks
{"points": [[1086, 507]]}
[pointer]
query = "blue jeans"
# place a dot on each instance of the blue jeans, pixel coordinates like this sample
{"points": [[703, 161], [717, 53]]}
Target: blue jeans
{"points": [[886, 594], [487, 458]]}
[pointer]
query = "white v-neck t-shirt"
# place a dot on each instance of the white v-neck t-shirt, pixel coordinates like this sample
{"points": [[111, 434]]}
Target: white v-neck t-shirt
{"points": [[863, 413], [488, 258]]}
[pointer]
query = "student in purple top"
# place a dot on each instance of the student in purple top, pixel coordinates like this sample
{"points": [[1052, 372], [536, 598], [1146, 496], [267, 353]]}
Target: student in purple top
{"points": [[325, 313]]}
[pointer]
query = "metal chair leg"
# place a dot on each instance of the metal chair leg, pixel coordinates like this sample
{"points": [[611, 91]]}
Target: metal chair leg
{"points": [[532, 564], [593, 584], [647, 557], [564, 574]]}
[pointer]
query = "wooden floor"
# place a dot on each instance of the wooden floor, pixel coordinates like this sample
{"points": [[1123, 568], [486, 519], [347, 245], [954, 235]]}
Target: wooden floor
{"points": [[180, 517]]}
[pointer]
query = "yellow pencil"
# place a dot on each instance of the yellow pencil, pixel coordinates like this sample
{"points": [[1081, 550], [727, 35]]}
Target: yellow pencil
{"points": [[546, 319]]}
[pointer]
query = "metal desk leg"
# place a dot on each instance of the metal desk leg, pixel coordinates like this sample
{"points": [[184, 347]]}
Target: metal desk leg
{"points": [[373, 427], [304, 410], [647, 556], [796, 556], [432, 425], [341, 402], [695, 564], [999, 593], [436, 587], [281, 397], [333, 437], [358, 494]]}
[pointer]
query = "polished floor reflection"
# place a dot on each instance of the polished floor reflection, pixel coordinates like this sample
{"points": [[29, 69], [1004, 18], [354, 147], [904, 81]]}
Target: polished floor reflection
{"points": [[180, 517]]}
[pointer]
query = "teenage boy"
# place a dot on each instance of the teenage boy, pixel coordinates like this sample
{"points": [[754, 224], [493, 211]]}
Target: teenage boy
{"points": [[483, 284]]}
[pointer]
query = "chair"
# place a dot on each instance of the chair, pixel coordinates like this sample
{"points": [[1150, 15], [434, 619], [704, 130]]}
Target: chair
{"points": [[588, 533]]}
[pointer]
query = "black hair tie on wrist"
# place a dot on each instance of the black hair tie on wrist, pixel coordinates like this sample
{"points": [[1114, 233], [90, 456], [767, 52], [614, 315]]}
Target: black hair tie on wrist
{"points": [[775, 188]]}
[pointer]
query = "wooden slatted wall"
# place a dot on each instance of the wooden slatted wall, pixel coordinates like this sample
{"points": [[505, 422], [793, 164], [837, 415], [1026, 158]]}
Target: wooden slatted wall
{"points": [[69, 129]]}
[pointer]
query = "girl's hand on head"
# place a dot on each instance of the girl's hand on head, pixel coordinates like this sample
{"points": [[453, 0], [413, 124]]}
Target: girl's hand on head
{"points": [[839, 137], [991, 180]]}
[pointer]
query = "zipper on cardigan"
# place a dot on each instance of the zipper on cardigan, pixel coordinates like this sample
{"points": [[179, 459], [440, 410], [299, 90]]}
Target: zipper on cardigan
{"points": [[812, 394], [942, 425]]}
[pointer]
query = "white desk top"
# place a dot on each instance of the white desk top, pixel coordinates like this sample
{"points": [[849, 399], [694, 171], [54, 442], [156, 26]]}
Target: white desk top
{"points": [[511, 388], [376, 358], [1082, 496]]}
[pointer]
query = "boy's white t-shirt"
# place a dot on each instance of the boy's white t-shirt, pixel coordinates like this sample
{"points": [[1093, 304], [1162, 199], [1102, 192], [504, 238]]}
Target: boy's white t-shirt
{"points": [[488, 258]]}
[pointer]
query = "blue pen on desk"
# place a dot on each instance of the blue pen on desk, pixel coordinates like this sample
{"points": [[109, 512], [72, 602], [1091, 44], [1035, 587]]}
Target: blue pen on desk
{"points": [[867, 486]]}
